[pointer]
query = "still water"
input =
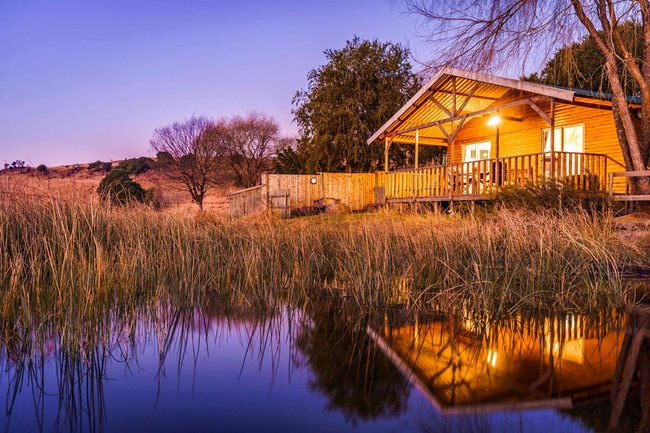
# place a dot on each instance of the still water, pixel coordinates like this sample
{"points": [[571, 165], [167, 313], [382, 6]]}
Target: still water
{"points": [[326, 369]]}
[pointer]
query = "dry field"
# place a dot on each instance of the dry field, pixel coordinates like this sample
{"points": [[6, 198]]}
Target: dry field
{"points": [[77, 182]]}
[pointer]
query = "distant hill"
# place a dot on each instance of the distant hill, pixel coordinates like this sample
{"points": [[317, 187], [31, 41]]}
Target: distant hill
{"points": [[77, 181]]}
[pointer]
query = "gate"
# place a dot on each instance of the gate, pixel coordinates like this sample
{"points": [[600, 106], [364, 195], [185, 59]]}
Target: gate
{"points": [[280, 201]]}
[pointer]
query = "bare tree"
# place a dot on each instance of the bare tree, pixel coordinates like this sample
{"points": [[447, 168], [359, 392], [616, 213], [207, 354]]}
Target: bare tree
{"points": [[488, 34], [251, 142], [191, 153]]}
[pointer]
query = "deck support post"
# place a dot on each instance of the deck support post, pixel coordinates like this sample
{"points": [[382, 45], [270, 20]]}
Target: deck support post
{"points": [[450, 175], [417, 147], [552, 138], [496, 138], [386, 156], [497, 167]]}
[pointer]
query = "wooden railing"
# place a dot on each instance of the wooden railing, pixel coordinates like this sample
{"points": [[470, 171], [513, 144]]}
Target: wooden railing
{"points": [[626, 195], [472, 180]]}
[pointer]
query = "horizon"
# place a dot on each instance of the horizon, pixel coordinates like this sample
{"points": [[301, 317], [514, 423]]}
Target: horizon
{"points": [[91, 82]]}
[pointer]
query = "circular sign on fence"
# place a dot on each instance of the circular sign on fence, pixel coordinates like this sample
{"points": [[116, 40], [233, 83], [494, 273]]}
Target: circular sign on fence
{"points": [[313, 180]]}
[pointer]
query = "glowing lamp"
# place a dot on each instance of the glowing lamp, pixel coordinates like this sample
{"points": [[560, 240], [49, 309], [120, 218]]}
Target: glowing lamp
{"points": [[494, 121]]}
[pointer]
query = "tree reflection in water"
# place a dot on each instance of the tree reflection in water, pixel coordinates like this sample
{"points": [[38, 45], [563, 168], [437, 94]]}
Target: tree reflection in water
{"points": [[355, 376]]}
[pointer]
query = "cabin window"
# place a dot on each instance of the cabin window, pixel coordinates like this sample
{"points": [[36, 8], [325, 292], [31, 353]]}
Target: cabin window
{"points": [[477, 151], [567, 139]]}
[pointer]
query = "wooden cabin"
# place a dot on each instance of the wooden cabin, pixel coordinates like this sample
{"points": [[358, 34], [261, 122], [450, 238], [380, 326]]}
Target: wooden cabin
{"points": [[497, 132]]}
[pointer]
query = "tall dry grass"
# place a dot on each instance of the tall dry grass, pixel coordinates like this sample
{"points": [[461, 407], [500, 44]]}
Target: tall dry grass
{"points": [[76, 262]]}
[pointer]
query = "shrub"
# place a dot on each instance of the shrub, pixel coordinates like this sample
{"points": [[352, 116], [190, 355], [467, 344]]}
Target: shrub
{"points": [[100, 166], [42, 168], [154, 197], [117, 187], [95, 165], [551, 195], [17, 164], [136, 165]]}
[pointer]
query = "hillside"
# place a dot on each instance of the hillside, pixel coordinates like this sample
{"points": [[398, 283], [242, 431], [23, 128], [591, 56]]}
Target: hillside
{"points": [[76, 181]]}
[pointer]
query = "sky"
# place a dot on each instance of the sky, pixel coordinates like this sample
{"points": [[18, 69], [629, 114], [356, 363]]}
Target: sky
{"points": [[90, 80]]}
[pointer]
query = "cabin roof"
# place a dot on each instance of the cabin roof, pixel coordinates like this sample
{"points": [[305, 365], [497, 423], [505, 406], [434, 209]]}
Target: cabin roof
{"points": [[483, 91], [634, 100]]}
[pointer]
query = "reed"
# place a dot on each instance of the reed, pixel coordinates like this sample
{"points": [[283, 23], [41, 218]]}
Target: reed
{"points": [[83, 262]]}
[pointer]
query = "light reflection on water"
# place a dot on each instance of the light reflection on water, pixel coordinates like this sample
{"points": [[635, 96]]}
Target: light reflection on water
{"points": [[327, 368]]}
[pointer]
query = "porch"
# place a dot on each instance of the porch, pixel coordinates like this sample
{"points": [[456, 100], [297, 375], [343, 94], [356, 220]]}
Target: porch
{"points": [[498, 132], [477, 180]]}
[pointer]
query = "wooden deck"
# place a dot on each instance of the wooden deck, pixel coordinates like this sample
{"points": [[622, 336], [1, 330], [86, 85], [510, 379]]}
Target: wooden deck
{"points": [[477, 180]]}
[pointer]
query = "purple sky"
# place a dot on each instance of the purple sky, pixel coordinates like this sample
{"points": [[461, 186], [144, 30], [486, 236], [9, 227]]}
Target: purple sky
{"points": [[87, 80]]}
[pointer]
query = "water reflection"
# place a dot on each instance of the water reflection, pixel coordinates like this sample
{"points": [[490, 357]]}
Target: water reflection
{"points": [[327, 367], [469, 366], [356, 378]]}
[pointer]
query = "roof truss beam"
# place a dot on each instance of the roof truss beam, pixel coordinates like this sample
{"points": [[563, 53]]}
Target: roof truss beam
{"points": [[469, 96], [442, 107], [539, 111], [474, 114]]}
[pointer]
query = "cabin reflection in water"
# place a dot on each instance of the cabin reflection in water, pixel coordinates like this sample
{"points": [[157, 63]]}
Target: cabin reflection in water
{"points": [[467, 366]]}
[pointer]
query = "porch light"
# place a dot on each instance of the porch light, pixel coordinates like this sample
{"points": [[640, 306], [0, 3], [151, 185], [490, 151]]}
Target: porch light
{"points": [[494, 121]]}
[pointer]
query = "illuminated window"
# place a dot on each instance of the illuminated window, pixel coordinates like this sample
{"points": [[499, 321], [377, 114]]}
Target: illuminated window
{"points": [[567, 139], [477, 151]]}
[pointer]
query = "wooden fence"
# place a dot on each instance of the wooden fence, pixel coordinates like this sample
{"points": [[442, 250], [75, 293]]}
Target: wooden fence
{"points": [[247, 201], [356, 190], [301, 189]]}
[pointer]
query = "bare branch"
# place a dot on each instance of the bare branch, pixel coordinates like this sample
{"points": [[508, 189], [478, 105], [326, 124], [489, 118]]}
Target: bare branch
{"points": [[191, 153]]}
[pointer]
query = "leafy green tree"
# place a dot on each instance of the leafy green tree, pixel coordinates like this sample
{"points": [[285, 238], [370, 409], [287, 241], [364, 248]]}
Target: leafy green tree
{"points": [[358, 90], [289, 161], [581, 65], [118, 187]]}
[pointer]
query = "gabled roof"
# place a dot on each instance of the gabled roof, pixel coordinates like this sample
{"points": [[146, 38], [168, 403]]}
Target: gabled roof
{"points": [[485, 90]]}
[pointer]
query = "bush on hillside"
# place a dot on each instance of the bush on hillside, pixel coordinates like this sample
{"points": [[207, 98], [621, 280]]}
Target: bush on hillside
{"points": [[118, 188], [42, 168], [100, 166], [136, 165]]}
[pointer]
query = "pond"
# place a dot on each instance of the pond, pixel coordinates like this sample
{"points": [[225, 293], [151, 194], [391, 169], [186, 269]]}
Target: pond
{"points": [[326, 368]]}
